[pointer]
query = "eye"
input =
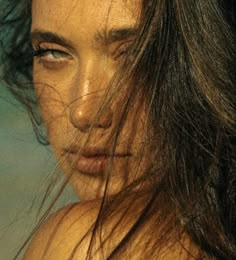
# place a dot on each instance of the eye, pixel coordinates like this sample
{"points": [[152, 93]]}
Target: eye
{"points": [[125, 50], [52, 58], [50, 54]]}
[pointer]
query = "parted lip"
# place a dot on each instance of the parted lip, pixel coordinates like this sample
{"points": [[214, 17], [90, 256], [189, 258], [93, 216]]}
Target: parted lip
{"points": [[94, 151]]}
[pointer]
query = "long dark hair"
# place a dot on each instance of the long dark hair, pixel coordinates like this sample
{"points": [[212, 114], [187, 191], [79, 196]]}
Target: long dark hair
{"points": [[183, 66]]}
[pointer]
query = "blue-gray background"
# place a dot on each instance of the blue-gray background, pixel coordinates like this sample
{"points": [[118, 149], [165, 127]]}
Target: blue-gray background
{"points": [[24, 169]]}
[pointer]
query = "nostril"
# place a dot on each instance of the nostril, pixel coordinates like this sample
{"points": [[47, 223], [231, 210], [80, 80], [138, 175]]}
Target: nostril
{"points": [[105, 120], [84, 118]]}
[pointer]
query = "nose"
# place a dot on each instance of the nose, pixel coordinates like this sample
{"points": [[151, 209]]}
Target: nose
{"points": [[85, 115], [90, 88]]}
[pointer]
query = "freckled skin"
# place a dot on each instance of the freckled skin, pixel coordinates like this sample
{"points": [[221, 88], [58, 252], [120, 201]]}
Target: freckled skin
{"points": [[71, 81]]}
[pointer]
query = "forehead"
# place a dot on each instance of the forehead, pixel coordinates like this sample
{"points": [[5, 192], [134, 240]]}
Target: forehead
{"points": [[84, 15]]}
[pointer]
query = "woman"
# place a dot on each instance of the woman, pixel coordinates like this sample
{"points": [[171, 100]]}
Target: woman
{"points": [[138, 99]]}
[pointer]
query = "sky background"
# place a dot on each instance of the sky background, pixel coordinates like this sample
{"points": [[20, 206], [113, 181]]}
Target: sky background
{"points": [[25, 167]]}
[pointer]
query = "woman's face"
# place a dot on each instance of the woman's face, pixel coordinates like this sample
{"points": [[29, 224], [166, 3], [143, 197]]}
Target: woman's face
{"points": [[79, 46]]}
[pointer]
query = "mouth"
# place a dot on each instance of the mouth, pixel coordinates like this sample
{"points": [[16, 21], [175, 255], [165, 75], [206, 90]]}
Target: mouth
{"points": [[94, 160]]}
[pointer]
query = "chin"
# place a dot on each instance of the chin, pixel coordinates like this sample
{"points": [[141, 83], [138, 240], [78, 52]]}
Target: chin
{"points": [[93, 189]]}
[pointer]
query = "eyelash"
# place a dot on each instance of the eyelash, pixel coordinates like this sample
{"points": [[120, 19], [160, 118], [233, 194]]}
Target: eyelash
{"points": [[125, 49], [41, 52]]}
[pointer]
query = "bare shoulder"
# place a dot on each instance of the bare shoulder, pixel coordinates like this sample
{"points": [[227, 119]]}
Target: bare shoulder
{"points": [[67, 233], [61, 233]]}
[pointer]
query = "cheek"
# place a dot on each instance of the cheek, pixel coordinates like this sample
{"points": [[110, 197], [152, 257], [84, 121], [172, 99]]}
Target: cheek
{"points": [[137, 121], [51, 106], [53, 93], [54, 111], [52, 83]]}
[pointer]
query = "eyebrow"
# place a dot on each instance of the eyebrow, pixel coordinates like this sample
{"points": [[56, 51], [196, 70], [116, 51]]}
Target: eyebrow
{"points": [[50, 37], [114, 35], [101, 36]]}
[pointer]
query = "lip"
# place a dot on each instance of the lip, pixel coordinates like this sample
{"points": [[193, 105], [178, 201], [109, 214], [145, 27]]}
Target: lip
{"points": [[93, 160]]}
